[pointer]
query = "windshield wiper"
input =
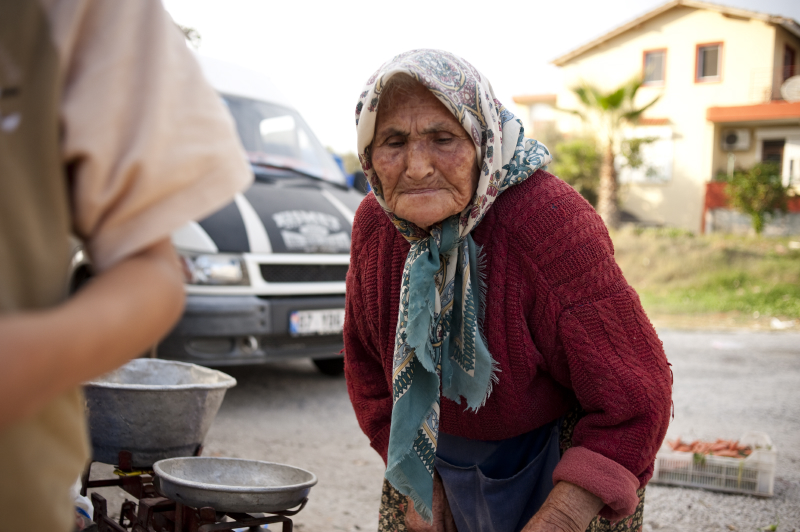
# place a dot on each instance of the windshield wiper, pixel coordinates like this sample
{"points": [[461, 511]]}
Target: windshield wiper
{"points": [[285, 167]]}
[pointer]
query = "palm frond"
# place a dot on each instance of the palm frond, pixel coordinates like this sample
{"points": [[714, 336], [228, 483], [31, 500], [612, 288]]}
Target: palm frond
{"points": [[596, 95], [634, 114], [615, 100], [582, 95], [634, 85], [590, 96], [575, 112]]}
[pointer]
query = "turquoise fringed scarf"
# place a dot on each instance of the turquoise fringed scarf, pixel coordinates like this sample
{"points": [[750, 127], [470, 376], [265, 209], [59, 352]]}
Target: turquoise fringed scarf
{"points": [[438, 344]]}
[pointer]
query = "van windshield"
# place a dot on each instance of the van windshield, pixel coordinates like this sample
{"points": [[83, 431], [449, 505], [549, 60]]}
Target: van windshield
{"points": [[278, 136]]}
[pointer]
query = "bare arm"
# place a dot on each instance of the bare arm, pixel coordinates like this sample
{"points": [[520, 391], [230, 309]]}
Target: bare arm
{"points": [[568, 508], [114, 318]]}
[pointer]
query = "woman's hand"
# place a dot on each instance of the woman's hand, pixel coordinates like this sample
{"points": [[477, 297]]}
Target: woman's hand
{"points": [[568, 508], [442, 517]]}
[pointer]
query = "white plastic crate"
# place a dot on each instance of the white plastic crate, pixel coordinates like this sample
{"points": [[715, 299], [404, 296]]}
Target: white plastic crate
{"points": [[753, 475]]}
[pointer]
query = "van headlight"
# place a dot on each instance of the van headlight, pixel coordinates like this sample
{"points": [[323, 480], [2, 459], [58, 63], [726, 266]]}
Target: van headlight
{"points": [[217, 269]]}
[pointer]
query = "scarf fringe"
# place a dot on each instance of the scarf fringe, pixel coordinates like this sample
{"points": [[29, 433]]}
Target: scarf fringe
{"points": [[406, 489], [483, 284], [420, 507], [483, 289], [494, 378]]}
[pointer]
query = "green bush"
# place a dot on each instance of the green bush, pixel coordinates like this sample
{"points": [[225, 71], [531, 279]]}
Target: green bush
{"points": [[758, 192], [577, 162]]}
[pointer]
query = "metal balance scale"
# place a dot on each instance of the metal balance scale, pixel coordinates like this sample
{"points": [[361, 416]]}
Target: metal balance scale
{"points": [[149, 418]]}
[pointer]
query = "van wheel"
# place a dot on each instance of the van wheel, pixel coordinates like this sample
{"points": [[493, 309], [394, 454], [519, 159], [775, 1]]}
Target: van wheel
{"points": [[330, 366]]}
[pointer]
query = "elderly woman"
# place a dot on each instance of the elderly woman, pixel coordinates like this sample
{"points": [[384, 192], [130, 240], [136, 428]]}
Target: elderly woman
{"points": [[520, 386]]}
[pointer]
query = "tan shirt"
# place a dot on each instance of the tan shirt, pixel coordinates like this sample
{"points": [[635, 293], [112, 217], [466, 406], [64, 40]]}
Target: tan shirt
{"points": [[107, 130]]}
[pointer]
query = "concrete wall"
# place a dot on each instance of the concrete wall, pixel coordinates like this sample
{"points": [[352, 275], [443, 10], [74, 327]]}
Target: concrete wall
{"points": [[731, 221], [747, 74]]}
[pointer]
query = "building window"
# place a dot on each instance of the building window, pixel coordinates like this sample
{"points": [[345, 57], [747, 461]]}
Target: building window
{"points": [[655, 62], [709, 62], [789, 68], [656, 155]]}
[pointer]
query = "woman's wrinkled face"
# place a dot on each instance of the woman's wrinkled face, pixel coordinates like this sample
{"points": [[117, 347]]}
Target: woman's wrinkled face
{"points": [[424, 159]]}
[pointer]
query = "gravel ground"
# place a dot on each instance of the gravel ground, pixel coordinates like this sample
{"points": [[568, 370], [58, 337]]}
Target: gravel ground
{"points": [[290, 413], [725, 384]]}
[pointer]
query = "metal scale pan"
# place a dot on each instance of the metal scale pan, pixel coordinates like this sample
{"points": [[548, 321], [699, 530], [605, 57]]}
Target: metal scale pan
{"points": [[233, 484]]}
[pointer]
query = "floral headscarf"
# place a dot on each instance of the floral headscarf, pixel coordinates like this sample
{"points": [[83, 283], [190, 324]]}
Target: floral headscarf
{"points": [[438, 339]]}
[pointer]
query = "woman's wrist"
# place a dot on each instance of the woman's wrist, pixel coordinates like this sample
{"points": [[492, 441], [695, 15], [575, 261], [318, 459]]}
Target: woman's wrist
{"points": [[568, 508]]}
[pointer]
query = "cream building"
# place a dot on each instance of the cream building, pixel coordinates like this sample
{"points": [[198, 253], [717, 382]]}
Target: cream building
{"points": [[718, 72]]}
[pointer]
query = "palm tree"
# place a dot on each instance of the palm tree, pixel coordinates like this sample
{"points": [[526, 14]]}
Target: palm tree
{"points": [[607, 114]]}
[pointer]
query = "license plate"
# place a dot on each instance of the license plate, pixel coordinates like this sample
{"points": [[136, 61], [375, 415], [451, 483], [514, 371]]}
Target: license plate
{"points": [[309, 322]]}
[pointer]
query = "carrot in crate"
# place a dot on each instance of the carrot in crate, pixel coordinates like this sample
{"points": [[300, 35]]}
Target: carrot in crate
{"points": [[729, 448]]}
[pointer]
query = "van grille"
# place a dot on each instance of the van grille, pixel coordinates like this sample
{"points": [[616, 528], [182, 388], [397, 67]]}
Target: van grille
{"points": [[303, 273]]}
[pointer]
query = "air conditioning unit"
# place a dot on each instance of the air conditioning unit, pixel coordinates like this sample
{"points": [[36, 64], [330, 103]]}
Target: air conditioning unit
{"points": [[735, 139]]}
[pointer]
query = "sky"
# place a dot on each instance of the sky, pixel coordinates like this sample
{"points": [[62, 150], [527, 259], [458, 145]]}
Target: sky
{"points": [[320, 52]]}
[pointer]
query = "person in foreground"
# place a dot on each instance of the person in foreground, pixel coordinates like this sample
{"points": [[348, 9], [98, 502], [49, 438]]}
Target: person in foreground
{"points": [[108, 131], [521, 385]]}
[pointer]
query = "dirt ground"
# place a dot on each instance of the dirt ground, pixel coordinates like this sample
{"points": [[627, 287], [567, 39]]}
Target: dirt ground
{"points": [[723, 321], [726, 383]]}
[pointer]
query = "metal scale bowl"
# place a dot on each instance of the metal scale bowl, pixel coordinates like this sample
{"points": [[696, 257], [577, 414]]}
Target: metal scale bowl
{"points": [[155, 409], [150, 418]]}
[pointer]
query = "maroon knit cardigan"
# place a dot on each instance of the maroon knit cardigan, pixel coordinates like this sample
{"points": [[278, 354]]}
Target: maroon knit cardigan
{"points": [[561, 322]]}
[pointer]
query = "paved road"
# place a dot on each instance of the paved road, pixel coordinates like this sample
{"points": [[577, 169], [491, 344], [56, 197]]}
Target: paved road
{"points": [[725, 384], [290, 413]]}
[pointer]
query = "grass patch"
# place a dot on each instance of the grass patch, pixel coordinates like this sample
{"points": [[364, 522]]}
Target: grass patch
{"points": [[678, 273]]}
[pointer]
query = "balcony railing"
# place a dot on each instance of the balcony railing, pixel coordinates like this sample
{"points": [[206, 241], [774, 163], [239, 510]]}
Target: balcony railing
{"points": [[765, 83]]}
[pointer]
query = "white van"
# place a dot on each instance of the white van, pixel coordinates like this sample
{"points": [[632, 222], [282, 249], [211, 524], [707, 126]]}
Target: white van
{"points": [[265, 275]]}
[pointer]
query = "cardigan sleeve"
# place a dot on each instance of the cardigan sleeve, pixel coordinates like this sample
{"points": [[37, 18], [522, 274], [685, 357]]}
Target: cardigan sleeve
{"points": [[600, 344], [621, 378], [369, 392]]}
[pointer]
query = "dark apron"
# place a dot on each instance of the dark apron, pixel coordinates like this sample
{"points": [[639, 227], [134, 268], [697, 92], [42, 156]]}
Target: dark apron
{"points": [[497, 486]]}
